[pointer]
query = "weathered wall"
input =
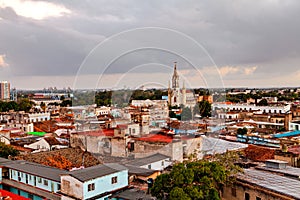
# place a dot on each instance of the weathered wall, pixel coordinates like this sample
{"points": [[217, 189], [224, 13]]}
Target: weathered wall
{"points": [[253, 191]]}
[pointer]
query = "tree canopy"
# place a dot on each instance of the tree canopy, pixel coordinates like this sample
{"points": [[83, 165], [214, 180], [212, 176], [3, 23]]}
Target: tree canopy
{"points": [[6, 151], [203, 108], [242, 131], [263, 102], [23, 104], [200, 179], [186, 114]]}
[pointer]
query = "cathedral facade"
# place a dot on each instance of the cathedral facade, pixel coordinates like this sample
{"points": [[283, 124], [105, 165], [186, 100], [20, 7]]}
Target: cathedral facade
{"points": [[176, 95]]}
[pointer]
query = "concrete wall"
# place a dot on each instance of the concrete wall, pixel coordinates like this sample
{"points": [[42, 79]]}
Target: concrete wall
{"points": [[118, 147], [71, 186], [253, 191], [191, 146], [93, 144], [134, 129], [174, 150]]}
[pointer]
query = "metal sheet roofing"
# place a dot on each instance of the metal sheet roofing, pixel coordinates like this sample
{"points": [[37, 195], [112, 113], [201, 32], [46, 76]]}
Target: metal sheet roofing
{"points": [[139, 171], [4, 160], [96, 171], [36, 169], [287, 134], [148, 160], [288, 171], [271, 181], [218, 146]]}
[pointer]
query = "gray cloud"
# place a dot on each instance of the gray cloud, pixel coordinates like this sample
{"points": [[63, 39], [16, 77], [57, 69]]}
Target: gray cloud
{"points": [[235, 33]]}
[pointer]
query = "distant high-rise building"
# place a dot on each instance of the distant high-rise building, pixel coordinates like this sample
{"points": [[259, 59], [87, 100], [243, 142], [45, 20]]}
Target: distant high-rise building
{"points": [[4, 90]]}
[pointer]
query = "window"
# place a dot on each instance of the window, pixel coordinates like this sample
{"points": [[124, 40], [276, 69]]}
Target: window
{"points": [[233, 192], [91, 186], [46, 182], [39, 180], [258, 198], [162, 163], [114, 180], [149, 166], [247, 196], [133, 131]]}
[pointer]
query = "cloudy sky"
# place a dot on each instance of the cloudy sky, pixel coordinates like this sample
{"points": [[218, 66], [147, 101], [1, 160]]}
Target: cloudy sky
{"points": [[116, 44]]}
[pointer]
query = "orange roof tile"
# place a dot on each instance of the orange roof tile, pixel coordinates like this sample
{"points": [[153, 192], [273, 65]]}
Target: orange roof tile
{"points": [[156, 138]]}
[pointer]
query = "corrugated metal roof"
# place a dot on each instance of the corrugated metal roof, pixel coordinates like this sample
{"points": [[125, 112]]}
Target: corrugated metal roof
{"points": [[96, 171], [139, 171], [288, 171], [4, 160], [276, 183], [212, 145], [36, 169], [148, 160]]}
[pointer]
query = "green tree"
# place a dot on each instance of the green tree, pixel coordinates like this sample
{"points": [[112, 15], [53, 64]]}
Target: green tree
{"points": [[200, 179], [186, 114], [6, 150], [242, 131], [25, 104], [204, 109], [66, 103], [263, 102], [178, 193]]}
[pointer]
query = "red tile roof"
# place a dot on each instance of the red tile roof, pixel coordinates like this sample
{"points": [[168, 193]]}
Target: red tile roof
{"points": [[103, 132], [156, 138]]}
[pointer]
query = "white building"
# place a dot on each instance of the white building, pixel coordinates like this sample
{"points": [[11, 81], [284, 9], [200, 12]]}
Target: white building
{"points": [[38, 117], [155, 162], [294, 126], [280, 109], [103, 110], [46, 144]]}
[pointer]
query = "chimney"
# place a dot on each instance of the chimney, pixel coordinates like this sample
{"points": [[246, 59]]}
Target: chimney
{"points": [[276, 164]]}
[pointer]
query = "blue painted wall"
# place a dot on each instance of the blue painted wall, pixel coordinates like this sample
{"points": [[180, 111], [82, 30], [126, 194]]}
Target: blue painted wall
{"points": [[103, 184], [39, 182]]}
